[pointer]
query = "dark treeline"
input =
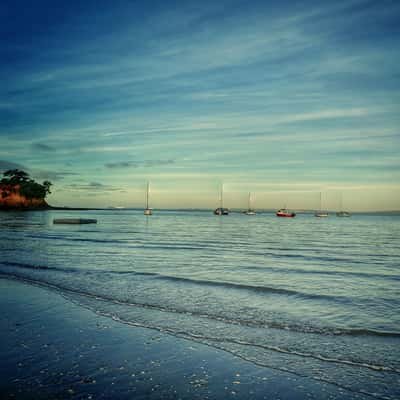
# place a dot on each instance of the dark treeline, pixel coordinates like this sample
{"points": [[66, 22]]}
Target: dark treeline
{"points": [[15, 180]]}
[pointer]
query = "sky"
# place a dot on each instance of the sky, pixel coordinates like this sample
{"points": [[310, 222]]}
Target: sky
{"points": [[283, 99]]}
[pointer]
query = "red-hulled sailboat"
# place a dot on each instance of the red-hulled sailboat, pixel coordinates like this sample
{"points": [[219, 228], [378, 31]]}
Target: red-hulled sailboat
{"points": [[285, 213]]}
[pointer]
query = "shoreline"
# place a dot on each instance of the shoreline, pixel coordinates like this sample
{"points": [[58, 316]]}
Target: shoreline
{"points": [[53, 348]]}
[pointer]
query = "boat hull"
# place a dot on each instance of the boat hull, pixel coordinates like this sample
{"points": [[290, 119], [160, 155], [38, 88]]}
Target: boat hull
{"points": [[285, 214], [221, 211], [249, 212]]}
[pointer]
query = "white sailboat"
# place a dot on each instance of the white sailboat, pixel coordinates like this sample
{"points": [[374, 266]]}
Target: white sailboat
{"points": [[342, 213], [320, 213], [221, 210], [147, 210], [249, 211]]}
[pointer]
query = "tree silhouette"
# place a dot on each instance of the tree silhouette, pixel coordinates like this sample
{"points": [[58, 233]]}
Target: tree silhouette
{"points": [[15, 176], [47, 185], [27, 186]]}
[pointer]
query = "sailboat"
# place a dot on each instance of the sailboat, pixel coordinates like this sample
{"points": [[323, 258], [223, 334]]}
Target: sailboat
{"points": [[320, 213], [285, 213], [221, 210], [249, 211], [342, 213], [147, 210]]}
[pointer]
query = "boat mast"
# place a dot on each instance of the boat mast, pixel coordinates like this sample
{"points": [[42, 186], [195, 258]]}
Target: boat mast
{"points": [[221, 196], [249, 200], [320, 201], [147, 196]]}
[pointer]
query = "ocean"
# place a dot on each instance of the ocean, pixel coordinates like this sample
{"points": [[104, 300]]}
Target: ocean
{"points": [[317, 298]]}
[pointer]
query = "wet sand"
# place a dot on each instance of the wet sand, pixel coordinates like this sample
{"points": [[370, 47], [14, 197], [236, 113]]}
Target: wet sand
{"points": [[53, 348]]}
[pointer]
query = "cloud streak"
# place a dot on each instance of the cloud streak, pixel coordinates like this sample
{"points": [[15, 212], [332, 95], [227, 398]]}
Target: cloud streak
{"points": [[6, 165], [139, 164], [42, 147]]}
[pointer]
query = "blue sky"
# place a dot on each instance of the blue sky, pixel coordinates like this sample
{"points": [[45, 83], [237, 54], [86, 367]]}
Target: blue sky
{"points": [[284, 99]]}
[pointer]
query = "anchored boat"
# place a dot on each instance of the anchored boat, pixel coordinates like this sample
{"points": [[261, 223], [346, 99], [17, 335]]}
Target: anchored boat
{"points": [[342, 213], [320, 213], [147, 210], [285, 213], [249, 211], [221, 210]]}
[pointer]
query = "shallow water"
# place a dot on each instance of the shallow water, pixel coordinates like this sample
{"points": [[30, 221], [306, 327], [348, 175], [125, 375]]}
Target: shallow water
{"points": [[316, 297]]}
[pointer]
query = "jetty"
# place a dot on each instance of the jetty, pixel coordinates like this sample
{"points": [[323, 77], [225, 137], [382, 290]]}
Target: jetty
{"points": [[74, 221]]}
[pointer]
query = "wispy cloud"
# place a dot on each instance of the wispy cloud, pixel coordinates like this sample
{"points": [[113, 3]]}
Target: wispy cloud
{"points": [[36, 173], [52, 175], [42, 147], [6, 165], [91, 187], [137, 164]]}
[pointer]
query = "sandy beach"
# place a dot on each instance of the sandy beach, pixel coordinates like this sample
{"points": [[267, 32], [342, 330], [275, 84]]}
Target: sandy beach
{"points": [[52, 348]]}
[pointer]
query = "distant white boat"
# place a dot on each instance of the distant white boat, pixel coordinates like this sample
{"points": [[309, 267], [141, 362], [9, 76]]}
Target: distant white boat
{"points": [[147, 210], [342, 213], [249, 211], [320, 213], [221, 210]]}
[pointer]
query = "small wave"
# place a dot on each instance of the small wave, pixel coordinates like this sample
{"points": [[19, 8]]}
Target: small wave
{"points": [[74, 239], [211, 338], [77, 270], [90, 240], [34, 266], [190, 281], [286, 326], [255, 288], [296, 270]]}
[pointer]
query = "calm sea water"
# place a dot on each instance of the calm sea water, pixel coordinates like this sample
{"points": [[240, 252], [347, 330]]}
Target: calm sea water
{"points": [[319, 298]]}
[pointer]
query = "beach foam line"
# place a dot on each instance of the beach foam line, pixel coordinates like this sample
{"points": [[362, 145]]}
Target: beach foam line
{"points": [[229, 285], [288, 327], [201, 338], [237, 352]]}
